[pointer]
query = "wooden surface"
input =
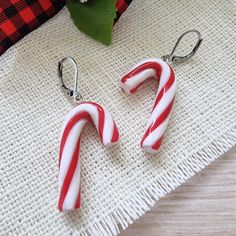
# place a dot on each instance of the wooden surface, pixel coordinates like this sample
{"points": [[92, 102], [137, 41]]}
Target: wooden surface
{"points": [[205, 205]]}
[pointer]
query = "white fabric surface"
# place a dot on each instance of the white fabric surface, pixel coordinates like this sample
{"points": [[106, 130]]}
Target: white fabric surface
{"points": [[121, 183]]}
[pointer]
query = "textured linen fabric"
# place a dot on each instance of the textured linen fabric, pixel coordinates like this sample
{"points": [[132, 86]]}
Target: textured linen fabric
{"points": [[118, 184]]}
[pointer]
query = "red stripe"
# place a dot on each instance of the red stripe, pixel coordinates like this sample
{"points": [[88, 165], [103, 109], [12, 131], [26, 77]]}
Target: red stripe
{"points": [[77, 205], [122, 8], [166, 87], [69, 175], [162, 117], [136, 88], [145, 66], [76, 118], [119, 4], [158, 69], [157, 144], [69, 126], [115, 136], [101, 116], [158, 121]]}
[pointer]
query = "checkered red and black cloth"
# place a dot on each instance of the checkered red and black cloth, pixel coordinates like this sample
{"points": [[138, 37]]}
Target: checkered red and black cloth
{"points": [[121, 6], [19, 17]]}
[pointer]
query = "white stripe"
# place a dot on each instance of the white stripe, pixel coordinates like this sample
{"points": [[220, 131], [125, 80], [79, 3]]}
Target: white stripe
{"points": [[70, 145], [134, 81], [108, 128], [137, 79], [73, 191], [68, 150], [156, 134], [83, 107], [165, 75], [76, 131], [162, 105]]}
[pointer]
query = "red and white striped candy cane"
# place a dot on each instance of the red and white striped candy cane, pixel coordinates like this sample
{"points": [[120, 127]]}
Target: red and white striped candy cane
{"points": [[160, 115], [69, 159]]}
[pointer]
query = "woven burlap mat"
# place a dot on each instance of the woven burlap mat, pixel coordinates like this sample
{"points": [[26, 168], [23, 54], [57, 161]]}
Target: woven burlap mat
{"points": [[121, 183]]}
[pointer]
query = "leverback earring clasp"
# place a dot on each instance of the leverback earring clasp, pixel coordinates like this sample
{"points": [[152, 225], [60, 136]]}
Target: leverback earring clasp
{"points": [[67, 91], [173, 59]]}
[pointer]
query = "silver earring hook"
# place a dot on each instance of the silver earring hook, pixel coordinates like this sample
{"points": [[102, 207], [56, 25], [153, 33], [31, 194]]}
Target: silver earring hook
{"points": [[179, 59], [69, 92]]}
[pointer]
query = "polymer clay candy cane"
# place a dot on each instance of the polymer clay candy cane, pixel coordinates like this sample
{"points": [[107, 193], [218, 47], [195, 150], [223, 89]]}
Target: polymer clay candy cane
{"points": [[69, 154], [160, 115], [69, 158], [161, 70]]}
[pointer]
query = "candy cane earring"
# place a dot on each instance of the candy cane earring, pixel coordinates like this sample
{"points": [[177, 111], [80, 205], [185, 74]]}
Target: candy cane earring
{"points": [[69, 160], [161, 70]]}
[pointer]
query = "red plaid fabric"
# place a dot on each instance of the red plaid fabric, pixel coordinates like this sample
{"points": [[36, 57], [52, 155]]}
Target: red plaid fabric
{"points": [[121, 6], [19, 17]]}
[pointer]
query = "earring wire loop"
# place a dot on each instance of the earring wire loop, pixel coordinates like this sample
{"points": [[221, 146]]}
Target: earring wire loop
{"points": [[67, 91], [173, 59]]}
